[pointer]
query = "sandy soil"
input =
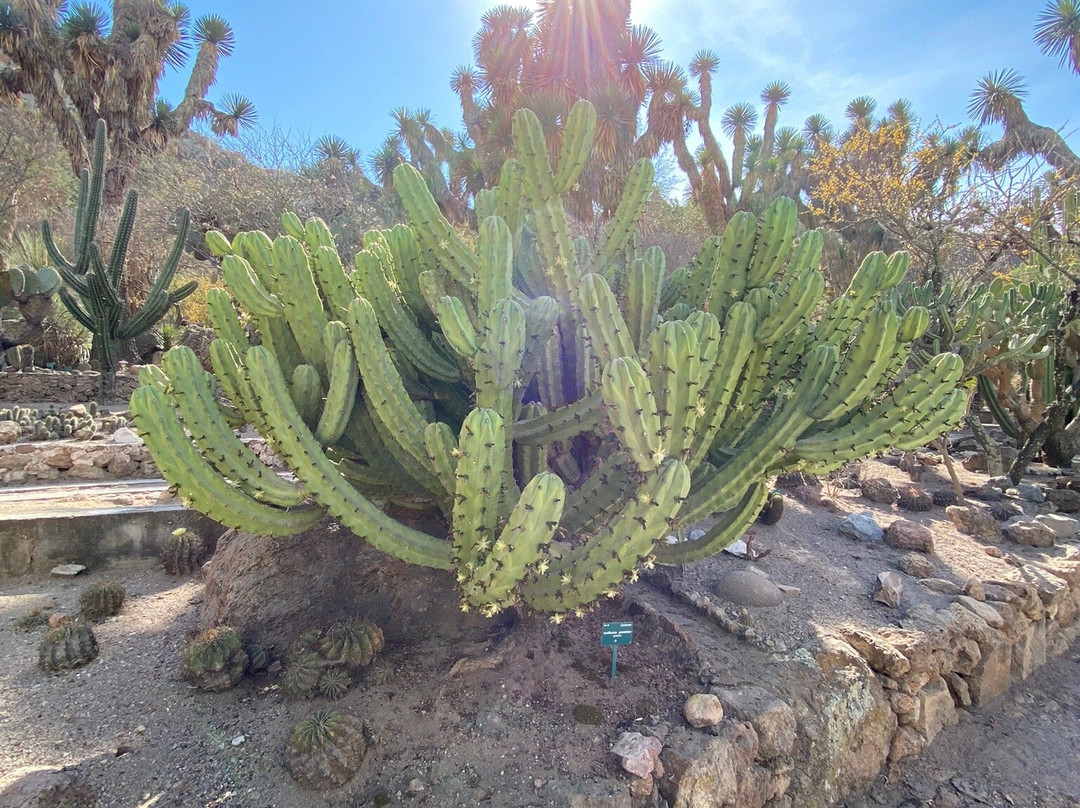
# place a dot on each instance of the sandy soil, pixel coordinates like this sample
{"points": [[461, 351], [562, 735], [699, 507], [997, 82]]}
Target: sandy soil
{"points": [[489, 718]]}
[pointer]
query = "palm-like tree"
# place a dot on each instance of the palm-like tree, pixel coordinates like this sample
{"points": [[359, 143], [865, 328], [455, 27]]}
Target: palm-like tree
{"points": [[774, 96], [81, 64], [738, 121], [998, 98], [817, 130], [860, 111], [1057, 32]]}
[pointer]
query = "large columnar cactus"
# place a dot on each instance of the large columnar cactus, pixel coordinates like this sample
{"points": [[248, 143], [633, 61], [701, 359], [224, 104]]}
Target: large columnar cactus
{"points": [[93, 289], [561, 403]]}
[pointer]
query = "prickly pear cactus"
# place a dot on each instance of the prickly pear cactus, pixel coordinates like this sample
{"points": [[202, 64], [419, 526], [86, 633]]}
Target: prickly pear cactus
{"points": [[215, 660], [71, 645], [561, 404], [327, 748], [183, 553], [101, 600]]}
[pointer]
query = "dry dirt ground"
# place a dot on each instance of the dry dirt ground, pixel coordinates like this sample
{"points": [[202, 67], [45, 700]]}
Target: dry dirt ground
{"points": [[508, 716]]}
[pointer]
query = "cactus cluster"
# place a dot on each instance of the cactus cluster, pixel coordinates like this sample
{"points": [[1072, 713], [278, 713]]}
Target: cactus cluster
{"points": [[327, 748], [322, 662], [102, 599], [562, 404], [93, 288], [215, 659], [43, 425], [70, 645], [183, 553]]}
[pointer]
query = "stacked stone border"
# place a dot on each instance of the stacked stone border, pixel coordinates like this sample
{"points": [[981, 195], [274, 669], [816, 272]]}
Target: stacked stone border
{"points": [[42, 385], [871, 697]]}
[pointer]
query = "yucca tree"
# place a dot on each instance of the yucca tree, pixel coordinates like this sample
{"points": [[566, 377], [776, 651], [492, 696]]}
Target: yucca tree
{"points": [[1057, 32], [998, 98], [82, 64], [860, 111], [817, 130], [738, 121]]}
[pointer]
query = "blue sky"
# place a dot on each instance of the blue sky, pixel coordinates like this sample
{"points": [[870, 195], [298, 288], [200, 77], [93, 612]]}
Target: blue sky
{"points": [[341, 67]]}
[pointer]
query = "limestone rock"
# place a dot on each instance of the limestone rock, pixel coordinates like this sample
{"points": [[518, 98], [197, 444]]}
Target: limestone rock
{"points": [[916, 565], [987, 612], [890, 589], [905, 535], [9, 432], [748, 588], [639, 754], [1030, 533], [1065, 500], [936, 709], [1065, 527], [879, 654], [975, 522], [1030, 493], [863, 527], [126, 435], [942, 586], [67, 570], [703, 710], [906, 742], [772, 718]]}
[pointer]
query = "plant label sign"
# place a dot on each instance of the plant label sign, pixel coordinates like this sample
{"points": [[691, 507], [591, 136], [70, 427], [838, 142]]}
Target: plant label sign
{"points": [[616, 634]]}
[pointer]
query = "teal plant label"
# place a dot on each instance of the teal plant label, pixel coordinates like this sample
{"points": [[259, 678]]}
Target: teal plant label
{"points": [[616, 633]]}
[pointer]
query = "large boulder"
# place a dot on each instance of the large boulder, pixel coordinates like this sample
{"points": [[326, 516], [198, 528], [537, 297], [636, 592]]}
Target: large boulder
{"points": [[272, 590]]}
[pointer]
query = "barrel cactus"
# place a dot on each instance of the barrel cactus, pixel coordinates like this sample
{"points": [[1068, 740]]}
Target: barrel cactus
{"points": [[183, 552], [101, 600], [321, 661], [70, 645], [561, 404], [215, 660], [327, 748]]}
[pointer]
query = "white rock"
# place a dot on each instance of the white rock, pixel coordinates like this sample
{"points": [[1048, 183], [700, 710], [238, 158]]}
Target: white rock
{"points": [[126, 435], [703, 710], [68, 570], [1064, 526], [239, 739]]}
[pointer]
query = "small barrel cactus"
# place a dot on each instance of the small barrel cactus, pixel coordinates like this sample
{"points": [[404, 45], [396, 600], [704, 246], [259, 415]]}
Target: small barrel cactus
{"points": [[320, 660], [101, 600], [215, 660], [327, 748], [68, 646], [911, 498], [183, 552], [773, 509], [943, 498]]}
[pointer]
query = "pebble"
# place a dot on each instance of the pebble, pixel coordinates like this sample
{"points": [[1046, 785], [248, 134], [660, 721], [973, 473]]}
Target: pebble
{"points": [[239, 739], [67, 570], [890, 589]]}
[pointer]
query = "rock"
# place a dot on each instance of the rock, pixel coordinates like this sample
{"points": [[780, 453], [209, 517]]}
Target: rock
{"points": [[942, 586], [639, 754], [863, 527], [975, 522], [906, 743], [976, 461], [961, 693], [1030, 493], [43, 786], [239, 740], [987, 612], [67, 570], [78, 410], [274, 590], [1001, 483], [879, 489], [747, 588], [723, 773], [1030, 533], [936, 709], [126, 435], [916, 565], [890, 588], [773, 719], [905, 535], [1063, 526], [1064, 499], [703, 710], [9, 432], [973, 588], [789, 591], [881, 655]]}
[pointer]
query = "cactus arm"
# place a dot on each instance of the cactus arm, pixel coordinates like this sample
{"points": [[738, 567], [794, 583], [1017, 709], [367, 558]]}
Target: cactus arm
{"points": [[124, 228], [509, 194], [432, 228], [643, 299], [72, 304], [442, 448], [549, 217], [496, 279], [457, 328], [633, 411], [872, 348], [190, 389], [301, 303], [531, 525], [593, 569], [774, 242], [226, 361], [478, 475], [388, 401], [727, 281], [298, 446], [675, 370], [621, 226], [292, 225], [608, 332], [248, 289], [728, 528], [341, 395], [602, 490], [407, 267], [198, 483], [562, 423], [332, 280], [577, 142], [306, 391], [541, 314]]}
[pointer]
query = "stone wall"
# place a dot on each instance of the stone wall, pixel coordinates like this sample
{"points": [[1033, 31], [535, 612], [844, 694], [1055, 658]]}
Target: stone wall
{"points": [[868, 698], [69, 461], [75, 387]]}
